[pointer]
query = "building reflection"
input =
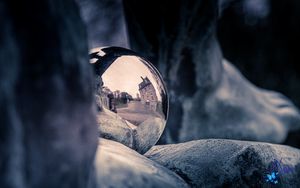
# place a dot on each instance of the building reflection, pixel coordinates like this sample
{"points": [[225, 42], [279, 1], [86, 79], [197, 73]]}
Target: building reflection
{"points": [[148, 94], [136, 109]]}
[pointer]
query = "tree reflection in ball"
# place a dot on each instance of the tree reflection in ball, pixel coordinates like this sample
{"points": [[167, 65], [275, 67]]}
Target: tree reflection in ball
{"points": [[131, 98]]}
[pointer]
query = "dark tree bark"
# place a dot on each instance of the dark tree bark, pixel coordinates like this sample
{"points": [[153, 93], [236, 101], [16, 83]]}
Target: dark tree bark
{"points": [[48, 133]]}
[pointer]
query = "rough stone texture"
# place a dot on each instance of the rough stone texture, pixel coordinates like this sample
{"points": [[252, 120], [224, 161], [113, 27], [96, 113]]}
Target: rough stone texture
{"points": [[113, 127], [148, 133], [120, 167], [140, 138], [48, 130], [228, 163], [209, 98]]}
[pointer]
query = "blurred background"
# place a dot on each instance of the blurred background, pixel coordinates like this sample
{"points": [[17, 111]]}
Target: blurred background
{"points": [[260, 37]]}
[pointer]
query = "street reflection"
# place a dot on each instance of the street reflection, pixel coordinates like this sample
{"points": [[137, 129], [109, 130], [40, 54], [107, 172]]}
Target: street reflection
{"points": [[132, 90]]}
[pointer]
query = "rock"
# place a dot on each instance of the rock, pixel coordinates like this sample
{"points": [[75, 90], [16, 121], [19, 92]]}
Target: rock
{"points": [[140, 138], [113, 127], [237, 109], [119, 166], [148, 133], [231, 163], [48, 123]]}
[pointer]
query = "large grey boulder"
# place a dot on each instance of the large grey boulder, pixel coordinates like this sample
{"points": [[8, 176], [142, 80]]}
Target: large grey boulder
{"points": [[231, 163], [121, 167]]}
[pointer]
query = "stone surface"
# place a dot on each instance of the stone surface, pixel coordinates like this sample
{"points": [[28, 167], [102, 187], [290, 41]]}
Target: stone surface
{"points": [[231, 163], [120, 167], [236, 109], [140, 138], [48, 132], [113, 127], [148, 133]]}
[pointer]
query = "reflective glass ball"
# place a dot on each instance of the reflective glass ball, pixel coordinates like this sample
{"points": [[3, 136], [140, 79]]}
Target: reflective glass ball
{"points": [[131, 97]]}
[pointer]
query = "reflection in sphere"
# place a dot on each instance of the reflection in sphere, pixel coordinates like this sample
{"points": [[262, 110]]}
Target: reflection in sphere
{"points": [[131, 97]]}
